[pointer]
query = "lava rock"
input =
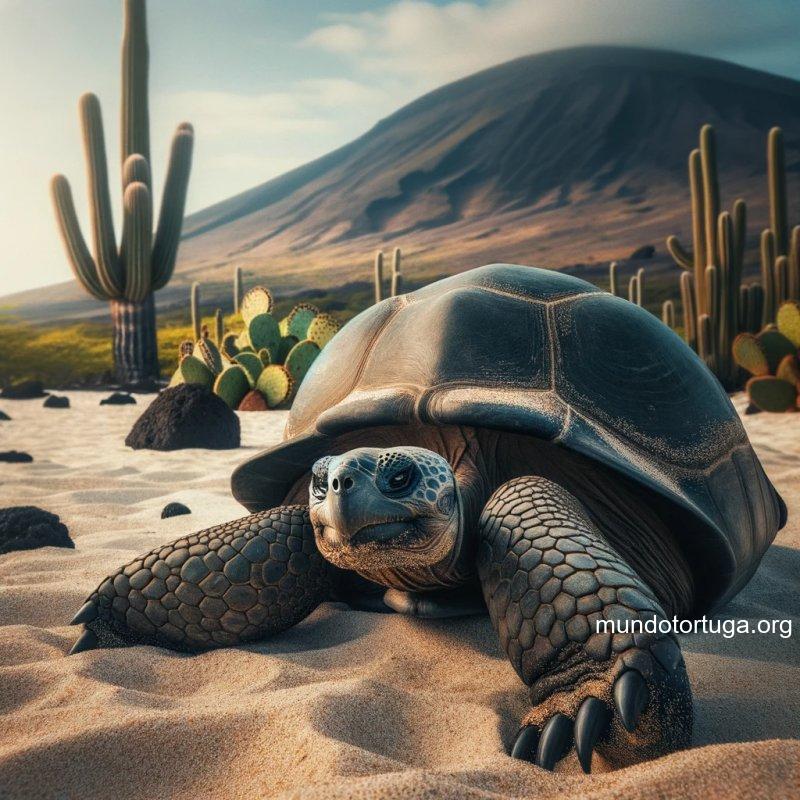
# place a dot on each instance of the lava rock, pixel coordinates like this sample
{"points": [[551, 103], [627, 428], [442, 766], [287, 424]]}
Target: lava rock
{"points": [[186, 416], [56, 401], [29, 527], [118, 399], [643, 252], [254, 401], [4, 417], [25, 390], [15, 457], [174, 510]]}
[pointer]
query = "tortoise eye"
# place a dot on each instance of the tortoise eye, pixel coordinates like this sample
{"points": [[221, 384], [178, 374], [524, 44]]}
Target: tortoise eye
{"points": [[319, 486], [400, 482]]}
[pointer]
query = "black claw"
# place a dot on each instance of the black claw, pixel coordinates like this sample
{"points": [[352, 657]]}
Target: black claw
{"points": [[525, 746], [631, 695], [87, 641], [591, 723], [87, 613], [554, 742]]}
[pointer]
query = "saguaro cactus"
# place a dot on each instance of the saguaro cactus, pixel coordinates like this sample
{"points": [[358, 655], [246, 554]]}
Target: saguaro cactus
{"points": [[143, 263], [714, 301], [237, 289], [395, 279]]}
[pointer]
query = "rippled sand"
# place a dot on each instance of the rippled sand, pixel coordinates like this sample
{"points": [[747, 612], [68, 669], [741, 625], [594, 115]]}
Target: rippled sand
{"points": [[348, 704]]}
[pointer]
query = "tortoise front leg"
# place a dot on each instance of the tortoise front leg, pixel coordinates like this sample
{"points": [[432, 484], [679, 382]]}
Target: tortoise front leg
{"points": [[230, 584], [548, 576]]}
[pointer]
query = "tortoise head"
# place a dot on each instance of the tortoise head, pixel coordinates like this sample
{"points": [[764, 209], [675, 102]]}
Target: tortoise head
{"points": [[382, 508]]}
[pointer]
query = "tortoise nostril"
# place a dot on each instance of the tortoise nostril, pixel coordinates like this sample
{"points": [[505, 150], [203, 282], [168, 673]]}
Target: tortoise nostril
{"points": [[335, 484], [348, 483]]}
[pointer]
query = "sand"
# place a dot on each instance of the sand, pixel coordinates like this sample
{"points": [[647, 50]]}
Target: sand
{"points": [[347, 704]]}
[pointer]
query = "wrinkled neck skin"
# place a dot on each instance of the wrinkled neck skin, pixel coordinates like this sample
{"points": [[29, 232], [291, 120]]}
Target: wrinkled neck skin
{"points": [[482, 460]]}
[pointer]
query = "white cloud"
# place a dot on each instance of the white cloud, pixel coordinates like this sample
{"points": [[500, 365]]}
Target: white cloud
{"points": [[427, 43]]}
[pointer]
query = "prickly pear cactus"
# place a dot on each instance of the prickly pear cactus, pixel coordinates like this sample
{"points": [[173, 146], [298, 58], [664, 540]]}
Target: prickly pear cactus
{"points": [[771, 357]]}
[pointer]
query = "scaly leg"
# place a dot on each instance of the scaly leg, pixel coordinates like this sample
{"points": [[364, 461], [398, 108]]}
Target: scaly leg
{"points": [[230, 584], [548, 576]]}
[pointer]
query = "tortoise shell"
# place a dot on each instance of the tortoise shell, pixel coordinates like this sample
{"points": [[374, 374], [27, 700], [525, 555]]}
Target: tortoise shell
{"points": [[537, 352]]}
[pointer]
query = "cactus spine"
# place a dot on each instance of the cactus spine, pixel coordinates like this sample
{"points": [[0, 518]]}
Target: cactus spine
{"points": [[143, 263]]}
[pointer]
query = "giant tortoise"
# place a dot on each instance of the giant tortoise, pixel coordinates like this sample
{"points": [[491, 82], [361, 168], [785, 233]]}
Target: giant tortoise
{"points": [[512, 437]]}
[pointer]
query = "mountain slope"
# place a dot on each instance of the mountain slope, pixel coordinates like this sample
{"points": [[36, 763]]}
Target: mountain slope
{"points": [[571, 156]]}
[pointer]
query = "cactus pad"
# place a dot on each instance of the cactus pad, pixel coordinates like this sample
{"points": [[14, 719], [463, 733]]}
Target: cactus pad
{"points": [[265, 356], [300, 358], [300, 318], [206, 351], [263, 332], [251, 364], [194, 370], [256, 301], [749, 354], [322, 329], [229, 346], [789, 370], [789, 322], [287, 343], [276, 384], [186, 349], [232, 385], [177, 378], [772, 394], [776, 347], [284, 326]]}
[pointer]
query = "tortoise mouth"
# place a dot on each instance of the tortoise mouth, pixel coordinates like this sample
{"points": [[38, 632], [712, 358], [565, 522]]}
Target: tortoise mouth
{"points": [[380, 532]]}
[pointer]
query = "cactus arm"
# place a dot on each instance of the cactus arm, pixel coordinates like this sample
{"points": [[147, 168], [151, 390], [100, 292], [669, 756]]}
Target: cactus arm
{"points": [[776, 177], [794, 264], [708, 158], [219, 327], [78, 255], [640, 287], [109, 270], [378, 277], [397, 277], [135, 115], [689, 309], [195, 305], [781, 280], [173, 202], [768, 276], [727, 303], [136, 169], [237, 289], [698, 210], [632, 289], [612, 278], [679, 253], [137, 240]]}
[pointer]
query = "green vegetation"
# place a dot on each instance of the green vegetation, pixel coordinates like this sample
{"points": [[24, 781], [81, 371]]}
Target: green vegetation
{"points": [[127, 275], [771, 357], [717, 306]]}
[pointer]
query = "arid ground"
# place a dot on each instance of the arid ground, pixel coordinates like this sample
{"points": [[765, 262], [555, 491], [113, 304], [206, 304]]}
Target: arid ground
{"points": [[348, 704]]}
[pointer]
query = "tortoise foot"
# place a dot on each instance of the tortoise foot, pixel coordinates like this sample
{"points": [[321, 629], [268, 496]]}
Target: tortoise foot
{"points": [[638, 708]]}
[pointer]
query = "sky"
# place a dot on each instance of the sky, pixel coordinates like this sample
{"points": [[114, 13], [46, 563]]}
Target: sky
{"points": [[270, 84]]}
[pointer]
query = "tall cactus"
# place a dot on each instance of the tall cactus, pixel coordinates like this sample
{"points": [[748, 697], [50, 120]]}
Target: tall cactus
{"points": [[127, 275], [714, 301], [237, 289], [395, 278]]}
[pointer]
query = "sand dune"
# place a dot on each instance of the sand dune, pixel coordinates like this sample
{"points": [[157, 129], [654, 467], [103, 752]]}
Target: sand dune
{"points": [[348, 704]]}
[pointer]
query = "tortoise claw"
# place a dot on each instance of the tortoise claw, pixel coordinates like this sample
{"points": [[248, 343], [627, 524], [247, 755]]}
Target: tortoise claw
{"points": [[524, 747], [591, 723], [554, 742], [631, 696], [86, 641], [87, 613]]}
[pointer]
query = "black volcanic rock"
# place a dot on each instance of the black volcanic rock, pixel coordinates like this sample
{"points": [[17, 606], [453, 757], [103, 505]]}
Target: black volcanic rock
{"points": [[642, 253], [4, 417], [24, 390], [29, 527], [174, 510], [56, 401], [186, 416], [118, 399], [15, 457]]}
